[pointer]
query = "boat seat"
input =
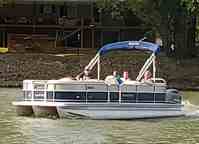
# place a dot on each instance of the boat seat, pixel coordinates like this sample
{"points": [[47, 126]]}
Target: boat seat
{"points": [[67, 79]]}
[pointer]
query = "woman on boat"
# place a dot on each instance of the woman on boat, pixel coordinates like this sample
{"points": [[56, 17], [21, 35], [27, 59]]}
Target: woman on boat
{"points": [[147, 77]]}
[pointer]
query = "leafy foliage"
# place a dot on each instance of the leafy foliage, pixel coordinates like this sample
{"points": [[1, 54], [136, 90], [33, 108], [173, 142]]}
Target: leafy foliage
{"points": [[7, 3], [146, 10], [192, 5], [174, 20]]}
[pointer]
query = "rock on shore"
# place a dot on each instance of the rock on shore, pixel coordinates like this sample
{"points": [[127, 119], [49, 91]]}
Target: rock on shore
{"points": [[14, 68]]}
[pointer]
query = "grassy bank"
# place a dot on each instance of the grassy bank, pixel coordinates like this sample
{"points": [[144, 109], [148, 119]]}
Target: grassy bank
{"points": [[17, 67]]}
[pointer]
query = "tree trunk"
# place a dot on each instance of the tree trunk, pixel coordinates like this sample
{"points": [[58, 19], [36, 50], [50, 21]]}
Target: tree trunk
{"points": [[185, 37], [180, 37], [165, 35], [192, 51]]}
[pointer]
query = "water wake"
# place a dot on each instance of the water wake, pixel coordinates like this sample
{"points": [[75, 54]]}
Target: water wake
{"points": [[190, 110]]}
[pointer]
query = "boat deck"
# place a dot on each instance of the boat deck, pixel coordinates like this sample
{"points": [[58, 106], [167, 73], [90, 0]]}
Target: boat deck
{"points": [[37, 103]]}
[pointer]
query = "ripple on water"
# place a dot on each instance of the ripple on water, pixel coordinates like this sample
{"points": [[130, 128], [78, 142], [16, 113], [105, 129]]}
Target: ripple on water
{"points": [[30, 130]]}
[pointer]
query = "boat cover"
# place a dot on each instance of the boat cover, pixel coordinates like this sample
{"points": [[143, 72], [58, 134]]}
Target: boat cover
{"points": [[130, 45]]}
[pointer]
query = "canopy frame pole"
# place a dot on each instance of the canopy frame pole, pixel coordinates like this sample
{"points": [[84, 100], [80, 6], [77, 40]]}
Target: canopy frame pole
{"points": [[154, 68], [145, 67], [92, 62], [146, 64], [98, 68]]}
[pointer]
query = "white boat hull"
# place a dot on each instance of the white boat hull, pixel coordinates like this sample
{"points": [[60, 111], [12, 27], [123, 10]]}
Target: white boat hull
{"points": [[119, 111]]}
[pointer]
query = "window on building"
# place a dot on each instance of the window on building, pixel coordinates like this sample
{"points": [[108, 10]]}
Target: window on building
{"points": [[53, 9], [41, 9], [72, 10], [62, 11]]}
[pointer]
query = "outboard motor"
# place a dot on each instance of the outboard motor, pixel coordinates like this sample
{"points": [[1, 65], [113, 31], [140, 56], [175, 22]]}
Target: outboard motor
{"points": [[173, 96]]}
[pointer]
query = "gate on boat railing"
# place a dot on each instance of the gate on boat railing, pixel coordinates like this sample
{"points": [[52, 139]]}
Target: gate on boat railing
{"points": [[34, 90]]}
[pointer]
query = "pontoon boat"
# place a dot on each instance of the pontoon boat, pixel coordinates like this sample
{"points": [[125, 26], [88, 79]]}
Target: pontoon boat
{"points": [[112, 98]]}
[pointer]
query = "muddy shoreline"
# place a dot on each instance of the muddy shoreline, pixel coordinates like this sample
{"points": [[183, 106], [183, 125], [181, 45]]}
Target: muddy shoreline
{"points": [[183, 75]]}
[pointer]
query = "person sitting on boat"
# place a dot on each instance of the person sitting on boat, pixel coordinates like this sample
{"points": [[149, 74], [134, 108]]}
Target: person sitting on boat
{"points": [[118, 78], [115, 73], [112, 79], [80, 76], [83, 75], [125, 76], [86, 74], [147, 77]]}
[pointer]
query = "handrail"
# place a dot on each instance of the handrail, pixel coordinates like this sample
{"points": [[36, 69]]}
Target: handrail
{"points": [[107, 100], [113, 101], [158, 79]]}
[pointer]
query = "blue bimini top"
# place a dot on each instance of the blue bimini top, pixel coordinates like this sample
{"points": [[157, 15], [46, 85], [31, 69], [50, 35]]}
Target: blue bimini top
{"points": [[130, 45]]}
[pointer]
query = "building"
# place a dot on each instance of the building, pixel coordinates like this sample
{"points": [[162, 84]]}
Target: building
{"points": [[55, 26]]}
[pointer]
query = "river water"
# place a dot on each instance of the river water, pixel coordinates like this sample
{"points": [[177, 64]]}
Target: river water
{"points": [[30, 130]]}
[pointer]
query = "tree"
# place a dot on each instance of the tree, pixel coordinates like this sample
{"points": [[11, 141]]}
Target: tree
{"points": [[7, 3], [185, 28], [174, 20]]}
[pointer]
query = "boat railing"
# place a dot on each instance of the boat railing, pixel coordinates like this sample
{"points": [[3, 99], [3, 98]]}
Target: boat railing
{"points": [[41, 96], [106, 101], [102, 101], [40, 91]]}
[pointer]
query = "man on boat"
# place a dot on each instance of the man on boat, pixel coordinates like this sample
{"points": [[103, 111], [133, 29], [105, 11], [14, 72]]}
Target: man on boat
{"points": [[114, 79], [83, 75], [86, 74]]}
